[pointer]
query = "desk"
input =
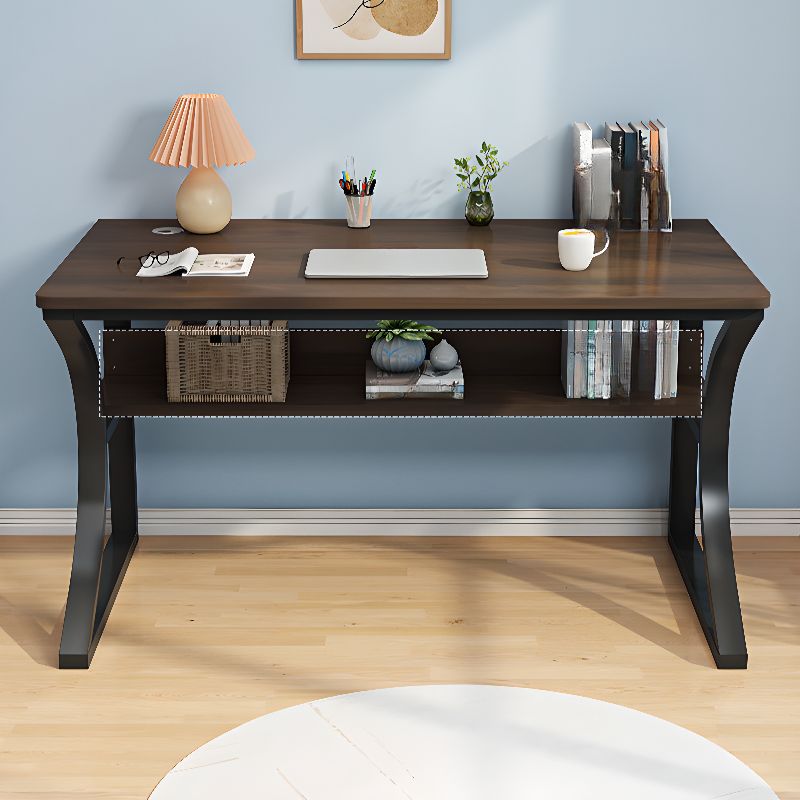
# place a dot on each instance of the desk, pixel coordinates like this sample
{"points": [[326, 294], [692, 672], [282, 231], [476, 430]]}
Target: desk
{"points": [[691, 275]]}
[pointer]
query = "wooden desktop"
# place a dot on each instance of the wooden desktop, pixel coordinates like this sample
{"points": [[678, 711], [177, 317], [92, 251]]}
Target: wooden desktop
{"points": [[691, 275]]}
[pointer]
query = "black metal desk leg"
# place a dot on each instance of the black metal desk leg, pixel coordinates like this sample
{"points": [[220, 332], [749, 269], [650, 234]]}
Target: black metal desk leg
{"points": [[124, 517], [709, 571], [683, 486], [124, 506], [96, 573]]}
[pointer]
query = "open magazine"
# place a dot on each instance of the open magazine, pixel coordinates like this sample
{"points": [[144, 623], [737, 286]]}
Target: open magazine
{"points": [[191, 264]]}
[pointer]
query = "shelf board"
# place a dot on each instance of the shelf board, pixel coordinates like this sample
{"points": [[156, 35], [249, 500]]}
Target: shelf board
{"points": [[343, 395]]}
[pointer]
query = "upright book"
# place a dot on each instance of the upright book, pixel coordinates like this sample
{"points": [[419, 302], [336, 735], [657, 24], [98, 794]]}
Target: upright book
{"points": [[591, 351], [601, 182], [644, 174], [630, 154], [665, 196], [655, 183], [615, 139], [568, 358], [582, 174]]}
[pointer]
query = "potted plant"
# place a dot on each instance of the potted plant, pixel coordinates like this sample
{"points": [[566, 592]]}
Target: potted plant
{"points": [[477, 180], [399, 344]]}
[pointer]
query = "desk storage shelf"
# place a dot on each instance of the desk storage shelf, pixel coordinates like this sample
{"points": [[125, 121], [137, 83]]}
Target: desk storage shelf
{"points": [[507, 373]]}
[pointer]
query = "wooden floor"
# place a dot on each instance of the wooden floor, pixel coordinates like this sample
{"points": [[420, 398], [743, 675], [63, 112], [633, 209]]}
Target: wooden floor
{"points": [[208, 633]]}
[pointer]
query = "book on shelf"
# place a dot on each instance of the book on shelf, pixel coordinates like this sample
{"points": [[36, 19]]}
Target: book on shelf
{"points": [[658, 383], [673, 363], [607, 365], [591, 360], [620, 360], [600, 359], [645, 364], [581, 334], [568, 359], [605, 359], [424, 382]]}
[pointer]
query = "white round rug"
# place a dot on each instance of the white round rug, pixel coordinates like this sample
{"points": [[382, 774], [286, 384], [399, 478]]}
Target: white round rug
{"points": [[464, 743]]}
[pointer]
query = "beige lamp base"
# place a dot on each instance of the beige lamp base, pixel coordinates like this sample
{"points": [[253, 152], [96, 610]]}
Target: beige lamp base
{"points": [[203, 202]]}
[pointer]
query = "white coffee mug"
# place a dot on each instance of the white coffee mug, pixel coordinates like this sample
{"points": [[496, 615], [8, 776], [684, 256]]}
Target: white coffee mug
{"points": [[576, 248]]}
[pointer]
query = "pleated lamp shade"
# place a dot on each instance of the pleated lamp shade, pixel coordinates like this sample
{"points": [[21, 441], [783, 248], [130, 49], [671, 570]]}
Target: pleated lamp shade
{"points": [[201, 131]]}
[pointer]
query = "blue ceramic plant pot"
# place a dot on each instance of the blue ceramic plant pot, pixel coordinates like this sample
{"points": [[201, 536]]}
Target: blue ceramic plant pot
{"points": [[399, 355]]}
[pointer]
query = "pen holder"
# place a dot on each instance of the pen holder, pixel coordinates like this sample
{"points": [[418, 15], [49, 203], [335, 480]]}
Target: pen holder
{"points": [[359, 210]]}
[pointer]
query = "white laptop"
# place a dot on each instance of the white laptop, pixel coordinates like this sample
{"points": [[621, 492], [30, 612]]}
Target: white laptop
{"points": [[397, 263]]}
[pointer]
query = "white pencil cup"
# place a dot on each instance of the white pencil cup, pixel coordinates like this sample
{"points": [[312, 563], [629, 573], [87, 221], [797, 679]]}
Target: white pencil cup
{"points": [[359, 210]]}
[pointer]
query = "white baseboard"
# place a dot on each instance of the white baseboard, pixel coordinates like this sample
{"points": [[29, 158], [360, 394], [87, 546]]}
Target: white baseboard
{"points": [[399, 522]]}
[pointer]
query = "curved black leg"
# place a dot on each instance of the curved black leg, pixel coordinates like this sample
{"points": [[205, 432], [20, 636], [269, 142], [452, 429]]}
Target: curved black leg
{"points": [[708, 571], [96, 572]]}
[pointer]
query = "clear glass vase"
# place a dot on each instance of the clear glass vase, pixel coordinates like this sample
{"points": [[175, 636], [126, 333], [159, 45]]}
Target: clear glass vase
{"points": [[479, 209]]}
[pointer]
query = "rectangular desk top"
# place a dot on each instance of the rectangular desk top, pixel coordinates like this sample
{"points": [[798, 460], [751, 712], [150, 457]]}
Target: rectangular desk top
{"points": [[691, 269]]}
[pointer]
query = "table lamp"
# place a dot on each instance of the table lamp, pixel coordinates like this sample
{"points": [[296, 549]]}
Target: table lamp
{"points": [[202, 133]]}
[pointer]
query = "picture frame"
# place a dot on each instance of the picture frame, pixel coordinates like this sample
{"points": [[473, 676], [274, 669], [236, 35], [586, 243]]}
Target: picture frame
{"points": [[389, 33]]}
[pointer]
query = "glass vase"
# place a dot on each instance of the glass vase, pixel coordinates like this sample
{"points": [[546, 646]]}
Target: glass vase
{"points": [[479, 209]]}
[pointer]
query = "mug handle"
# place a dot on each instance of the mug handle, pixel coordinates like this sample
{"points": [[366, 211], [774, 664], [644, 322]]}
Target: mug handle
{"points": [[605, 247]]}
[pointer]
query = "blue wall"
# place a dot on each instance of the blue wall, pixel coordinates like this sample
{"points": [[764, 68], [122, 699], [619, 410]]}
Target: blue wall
{"points": [[86, 86]]}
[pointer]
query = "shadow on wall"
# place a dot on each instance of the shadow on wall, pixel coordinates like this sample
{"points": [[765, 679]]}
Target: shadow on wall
{"points": [[284, 207], [149, 188], [417, 463], [546, 163], [38, 419], [543, 163]]}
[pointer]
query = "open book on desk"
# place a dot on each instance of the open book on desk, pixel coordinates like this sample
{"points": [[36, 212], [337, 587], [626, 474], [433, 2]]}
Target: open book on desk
{"points": [[191, 264]]}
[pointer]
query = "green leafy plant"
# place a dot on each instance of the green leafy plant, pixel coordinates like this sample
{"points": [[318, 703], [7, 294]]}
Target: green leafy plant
{"points": [[478, 177], [402, 329]]}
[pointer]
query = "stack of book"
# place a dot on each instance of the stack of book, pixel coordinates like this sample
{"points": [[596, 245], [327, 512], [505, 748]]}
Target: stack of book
{"points": [[425, 383], [603, 359], [622, 180]]}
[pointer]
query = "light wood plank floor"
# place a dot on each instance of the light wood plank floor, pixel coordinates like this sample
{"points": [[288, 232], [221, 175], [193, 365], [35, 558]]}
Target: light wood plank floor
{"points": [[210, 632]]}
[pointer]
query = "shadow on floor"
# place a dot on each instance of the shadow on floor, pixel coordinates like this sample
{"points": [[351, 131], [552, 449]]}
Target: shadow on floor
{"points": [[573, 578], [37, 637]]}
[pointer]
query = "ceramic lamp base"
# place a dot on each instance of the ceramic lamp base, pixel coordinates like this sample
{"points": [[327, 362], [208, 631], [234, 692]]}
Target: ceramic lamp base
{"points": [[203, 203]]}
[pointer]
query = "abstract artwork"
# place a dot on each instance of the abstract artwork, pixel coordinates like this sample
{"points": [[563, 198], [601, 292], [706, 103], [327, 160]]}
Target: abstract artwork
{"points": [[373, 28]]}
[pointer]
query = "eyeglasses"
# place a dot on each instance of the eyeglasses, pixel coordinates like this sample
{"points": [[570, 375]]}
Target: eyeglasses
{"points": [[150, 259]]}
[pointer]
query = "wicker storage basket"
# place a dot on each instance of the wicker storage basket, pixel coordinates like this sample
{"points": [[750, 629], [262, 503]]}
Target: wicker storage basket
{"points": [[227, 363]]}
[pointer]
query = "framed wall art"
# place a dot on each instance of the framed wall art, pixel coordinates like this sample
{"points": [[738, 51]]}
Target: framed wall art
{"points": [[373, 28]]}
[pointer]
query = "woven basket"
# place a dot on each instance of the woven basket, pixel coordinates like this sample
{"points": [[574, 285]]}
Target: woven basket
{"points": [[227, 364]]}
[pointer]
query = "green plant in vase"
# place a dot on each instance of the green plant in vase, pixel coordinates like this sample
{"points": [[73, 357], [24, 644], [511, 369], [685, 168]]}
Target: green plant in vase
{"points": [[399, 344], [476, 179]]}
